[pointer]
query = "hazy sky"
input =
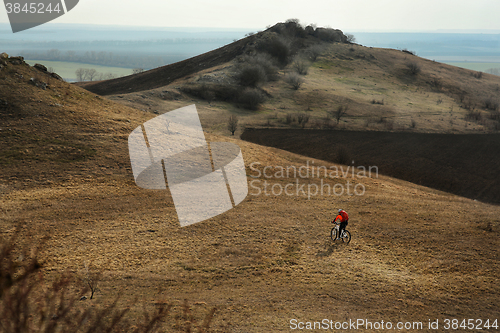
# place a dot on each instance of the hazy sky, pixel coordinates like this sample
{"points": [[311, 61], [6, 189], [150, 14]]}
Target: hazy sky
{"points": [[347, 15]]}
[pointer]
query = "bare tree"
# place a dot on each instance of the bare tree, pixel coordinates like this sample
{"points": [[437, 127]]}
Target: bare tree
{"points": [[80, 74], [301, 66], [340, 112], [350, 38], [232, 124], [90, 74], [413, 67], [294, 80], [91, 279]]}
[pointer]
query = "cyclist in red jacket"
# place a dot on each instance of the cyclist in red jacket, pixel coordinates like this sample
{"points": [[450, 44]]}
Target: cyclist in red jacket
{"points": [[343, 217]]}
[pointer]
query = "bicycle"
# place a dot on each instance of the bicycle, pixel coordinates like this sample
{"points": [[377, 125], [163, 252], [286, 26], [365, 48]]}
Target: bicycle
{"points": [[346, 235]]}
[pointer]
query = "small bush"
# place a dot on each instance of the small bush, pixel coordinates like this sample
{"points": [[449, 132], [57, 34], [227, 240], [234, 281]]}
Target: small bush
{"points": [[314, 51], [413, 67], [436, 83], [340, 112], [491, 104], [210, 92], [288, 119], [374, 101], [305, 120], [477, 75], [301, 66], [232, 124], [252, 76], [294, 80], [251, 98], [302, 119], [413, 123], [408, 51]]}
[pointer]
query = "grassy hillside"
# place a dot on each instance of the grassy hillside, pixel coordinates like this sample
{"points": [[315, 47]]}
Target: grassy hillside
{"points": [[381, 89], [416, 253]]}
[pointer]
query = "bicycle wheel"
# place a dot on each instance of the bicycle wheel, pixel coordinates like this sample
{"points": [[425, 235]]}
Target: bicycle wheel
{"points": [[346, 236], [333, 233]]}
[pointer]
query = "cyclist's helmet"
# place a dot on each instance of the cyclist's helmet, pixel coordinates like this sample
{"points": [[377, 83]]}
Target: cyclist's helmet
{"points": [[340, 210]]}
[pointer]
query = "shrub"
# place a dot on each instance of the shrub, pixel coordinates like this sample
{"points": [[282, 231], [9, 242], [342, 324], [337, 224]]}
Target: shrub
{"points": [[436, 83], [477, 75], [294, 29], [288, 119], [263, 60], [294, 80], [300, 65], [408, 51], [232, 124], [413, 123], [209, 92], [302, 119], [340, 112], [491, 104], [374, 101], [413, 67], [313, 52], [252, 76], [350, 38], [277, 47], [251, 98]]}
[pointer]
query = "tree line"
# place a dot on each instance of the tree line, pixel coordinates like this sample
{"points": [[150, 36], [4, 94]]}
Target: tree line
{"points": [[91, 74], [104, 58]]}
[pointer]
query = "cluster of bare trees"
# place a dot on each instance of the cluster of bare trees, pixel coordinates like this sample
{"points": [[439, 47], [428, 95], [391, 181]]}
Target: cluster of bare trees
{"points": [[90, 74]]}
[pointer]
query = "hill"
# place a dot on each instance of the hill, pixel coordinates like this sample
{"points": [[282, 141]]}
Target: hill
{"points": [[416, 253], [392, 103], [381, 89]]}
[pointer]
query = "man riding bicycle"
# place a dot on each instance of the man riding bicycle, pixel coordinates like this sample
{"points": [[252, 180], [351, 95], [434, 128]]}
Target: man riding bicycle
{"points": [[344, 219]]}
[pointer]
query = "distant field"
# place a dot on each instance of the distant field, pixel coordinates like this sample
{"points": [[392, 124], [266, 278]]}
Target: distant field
{"points": [[67, 69], [476, 66]]}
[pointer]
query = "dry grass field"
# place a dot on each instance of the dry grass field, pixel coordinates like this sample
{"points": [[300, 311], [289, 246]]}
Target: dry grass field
{"points": [[416, 253]]}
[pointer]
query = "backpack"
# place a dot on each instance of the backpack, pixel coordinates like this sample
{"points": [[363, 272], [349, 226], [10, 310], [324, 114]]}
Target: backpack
{"points": [[345, 216]]}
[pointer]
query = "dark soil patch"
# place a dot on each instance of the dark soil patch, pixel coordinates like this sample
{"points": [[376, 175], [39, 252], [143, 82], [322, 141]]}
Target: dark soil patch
{"points": [[467, 165]]}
